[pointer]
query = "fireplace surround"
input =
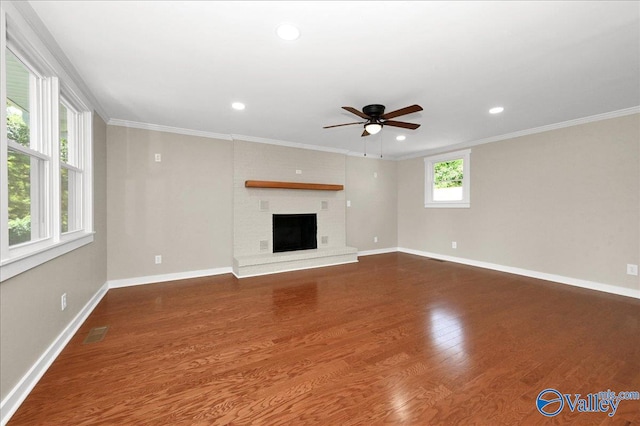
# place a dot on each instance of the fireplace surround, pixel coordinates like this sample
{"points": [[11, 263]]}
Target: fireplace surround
{"points": [[277, 180]]}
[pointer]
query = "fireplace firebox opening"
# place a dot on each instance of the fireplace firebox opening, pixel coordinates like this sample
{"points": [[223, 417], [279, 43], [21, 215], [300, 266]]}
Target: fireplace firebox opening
{"points": [[293, 232]]}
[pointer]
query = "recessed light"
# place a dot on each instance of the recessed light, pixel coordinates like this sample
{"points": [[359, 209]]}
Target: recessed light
{"points": [[401, 138], [496, 110], [238, 106], [288, 32]]}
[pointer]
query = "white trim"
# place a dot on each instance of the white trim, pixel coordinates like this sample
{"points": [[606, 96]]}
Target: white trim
{"points": [[13, 266], [152, 279], [4, 174], [377, 251], [40, 37], [387, 157], [167, 129], [212, 135], [576, 282], [465, 202], [526, 132], [24, 150], [440, 150], [289, 144], [52, 103], [447, 205], [47, 64], [21, 390], [86, 136], [302, 268]]}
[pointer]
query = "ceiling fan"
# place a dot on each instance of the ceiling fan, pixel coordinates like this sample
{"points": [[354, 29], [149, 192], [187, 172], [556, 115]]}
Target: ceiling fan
{"points": [[376, 118]]}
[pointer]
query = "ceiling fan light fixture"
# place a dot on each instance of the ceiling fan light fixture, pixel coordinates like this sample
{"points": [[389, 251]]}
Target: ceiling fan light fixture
{"points": [[373, 128]]}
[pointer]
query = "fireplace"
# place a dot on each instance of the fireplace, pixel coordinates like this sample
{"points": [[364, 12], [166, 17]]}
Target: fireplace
{"points": [[294, 232]]}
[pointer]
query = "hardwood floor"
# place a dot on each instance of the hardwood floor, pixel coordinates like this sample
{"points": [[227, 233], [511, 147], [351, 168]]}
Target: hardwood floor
{"points": [[393, 339]]}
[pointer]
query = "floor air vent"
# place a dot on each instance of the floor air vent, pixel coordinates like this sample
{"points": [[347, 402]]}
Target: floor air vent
{"points": [[96, 334]]}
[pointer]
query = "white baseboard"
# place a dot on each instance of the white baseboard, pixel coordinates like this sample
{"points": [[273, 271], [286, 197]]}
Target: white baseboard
{"points": [[576, 282], [18, 394], [378, 251], [151, 279]]}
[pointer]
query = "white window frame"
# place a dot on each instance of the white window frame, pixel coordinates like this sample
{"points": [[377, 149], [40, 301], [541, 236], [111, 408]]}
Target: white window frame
{"points": [[16, 33], [429, 163], [80, 128], [39, 151]]}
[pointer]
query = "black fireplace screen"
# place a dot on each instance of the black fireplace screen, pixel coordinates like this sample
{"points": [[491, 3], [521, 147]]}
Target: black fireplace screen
{"points": [[294, 232]]}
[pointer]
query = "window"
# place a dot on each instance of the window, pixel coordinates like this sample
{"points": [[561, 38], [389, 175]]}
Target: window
{"points": [[26, 159], [45, 155], [71, 173], [447, 180]]}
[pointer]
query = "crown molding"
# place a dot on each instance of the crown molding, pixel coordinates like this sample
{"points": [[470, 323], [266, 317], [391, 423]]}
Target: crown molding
{"points": [[45, 37], [444, 149], [168, 129], [541, 129], [288, 144], [371, 156]]}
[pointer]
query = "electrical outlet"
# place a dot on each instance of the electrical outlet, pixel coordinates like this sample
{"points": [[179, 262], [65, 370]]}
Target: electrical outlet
{"points": [[375, 239], [632, 269], [298, 172], [348, 203], [454, 245], [63, 301], [158, 158], [158, 259], [375, 175]]}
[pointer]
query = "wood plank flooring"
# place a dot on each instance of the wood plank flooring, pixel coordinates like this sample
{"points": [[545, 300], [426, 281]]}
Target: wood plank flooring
{"points": [[393, 339]]}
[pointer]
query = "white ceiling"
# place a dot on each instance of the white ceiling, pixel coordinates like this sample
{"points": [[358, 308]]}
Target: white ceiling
{"points": [[182, 64]]}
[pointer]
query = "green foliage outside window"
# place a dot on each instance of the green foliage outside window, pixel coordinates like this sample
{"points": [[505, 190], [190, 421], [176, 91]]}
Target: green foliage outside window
{"points": [[19, 180], [448, 174], [64, 200], [64, 173]]}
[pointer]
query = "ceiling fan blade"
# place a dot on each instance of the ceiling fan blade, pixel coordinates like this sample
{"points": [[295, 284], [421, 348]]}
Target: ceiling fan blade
{"points": [[365, 133], [345, 124], [356, 112], [402, 124], [402, 111]]}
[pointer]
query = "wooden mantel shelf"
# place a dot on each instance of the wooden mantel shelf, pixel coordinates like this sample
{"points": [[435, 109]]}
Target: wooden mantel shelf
{"points": [[292, 185]]}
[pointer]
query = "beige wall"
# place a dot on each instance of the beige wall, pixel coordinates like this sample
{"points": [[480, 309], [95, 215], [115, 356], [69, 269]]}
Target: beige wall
{"points": [[256, 161], [30, 315], [179, 208], [563, 202], [371, 187]]}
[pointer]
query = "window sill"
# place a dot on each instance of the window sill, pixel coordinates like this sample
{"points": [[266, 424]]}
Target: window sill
{"points": [[11, 267], [447, 205]]}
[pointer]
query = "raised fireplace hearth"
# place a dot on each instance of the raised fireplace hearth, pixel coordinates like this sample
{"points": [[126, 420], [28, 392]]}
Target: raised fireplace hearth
{"points": [[269, 263]]}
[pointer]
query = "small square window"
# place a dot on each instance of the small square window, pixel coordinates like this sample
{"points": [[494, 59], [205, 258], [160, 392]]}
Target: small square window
{"points": [[447, 180]]}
